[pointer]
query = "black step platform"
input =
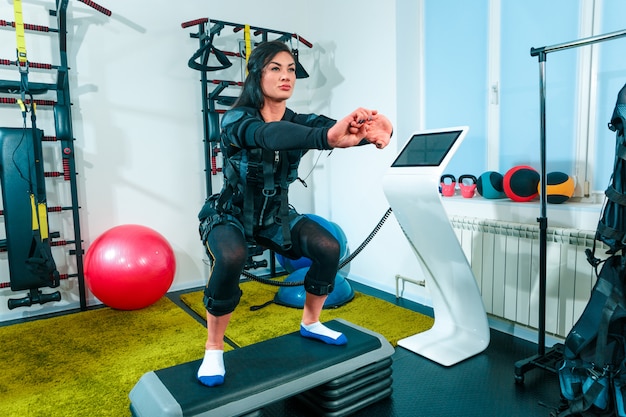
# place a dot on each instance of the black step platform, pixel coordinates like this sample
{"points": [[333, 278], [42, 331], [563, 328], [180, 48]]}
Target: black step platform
{"points": [[347, 394], [339, 379]]}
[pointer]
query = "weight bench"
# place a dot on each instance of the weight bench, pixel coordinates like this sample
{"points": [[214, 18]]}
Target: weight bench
{"points": [[334, 380], [31, 265]]}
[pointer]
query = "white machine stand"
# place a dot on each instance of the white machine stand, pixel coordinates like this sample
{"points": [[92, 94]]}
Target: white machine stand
{"points": [[461, 329]]}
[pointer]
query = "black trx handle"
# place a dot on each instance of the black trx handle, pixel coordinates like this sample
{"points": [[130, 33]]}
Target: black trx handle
{"points": [[205, 52]]}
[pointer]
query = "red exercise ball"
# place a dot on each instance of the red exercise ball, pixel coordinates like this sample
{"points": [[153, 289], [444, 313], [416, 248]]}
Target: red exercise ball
{"points": [[129, 267], [520, 183]]}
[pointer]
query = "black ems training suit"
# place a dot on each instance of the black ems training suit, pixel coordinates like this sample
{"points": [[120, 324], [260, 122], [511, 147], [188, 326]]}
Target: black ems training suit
{"points": [[260, 162]]}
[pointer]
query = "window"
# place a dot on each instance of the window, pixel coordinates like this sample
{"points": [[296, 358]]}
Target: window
{"points": [[478, 71]]}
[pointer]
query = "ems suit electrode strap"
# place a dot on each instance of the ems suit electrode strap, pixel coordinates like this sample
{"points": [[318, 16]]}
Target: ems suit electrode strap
{"points": [[222, 307], [284, 201], [230, 175], [270, 159], [318, 287], [248, 210]]}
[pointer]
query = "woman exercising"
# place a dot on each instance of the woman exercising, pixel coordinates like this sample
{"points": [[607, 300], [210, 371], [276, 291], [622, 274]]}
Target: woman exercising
{"points": [[262, 142]]}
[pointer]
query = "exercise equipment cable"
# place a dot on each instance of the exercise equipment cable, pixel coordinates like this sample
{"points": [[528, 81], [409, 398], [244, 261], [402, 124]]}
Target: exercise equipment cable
{"points": [[346, 261]]}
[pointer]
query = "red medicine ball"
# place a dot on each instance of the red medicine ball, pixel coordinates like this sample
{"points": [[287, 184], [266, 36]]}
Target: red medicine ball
{"points": [[520, 183]]}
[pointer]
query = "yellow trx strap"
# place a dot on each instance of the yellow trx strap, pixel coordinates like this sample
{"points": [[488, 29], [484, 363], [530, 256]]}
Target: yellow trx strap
{"points": [[19, 33], [22, 58], [39, 211], [246, 38], [39, 217]]}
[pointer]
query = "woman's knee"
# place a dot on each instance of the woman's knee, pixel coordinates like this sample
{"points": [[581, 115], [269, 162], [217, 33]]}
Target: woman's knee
{"points": [[334, 248], [232, 258], [328, 252], [317, 243], [229, 252], [227, 247]]}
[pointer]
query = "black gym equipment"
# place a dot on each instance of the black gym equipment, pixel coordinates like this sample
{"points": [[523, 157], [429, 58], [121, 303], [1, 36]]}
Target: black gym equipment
{"points": [[333, 380], [28, 240], [612, 225], [31, 264]]}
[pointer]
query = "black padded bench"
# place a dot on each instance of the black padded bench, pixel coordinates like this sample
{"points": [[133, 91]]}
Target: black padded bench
{"points": [[335, 380]]}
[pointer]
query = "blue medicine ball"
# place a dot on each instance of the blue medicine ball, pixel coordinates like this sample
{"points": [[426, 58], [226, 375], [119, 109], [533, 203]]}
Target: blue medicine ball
{"points": [[489, 185]]}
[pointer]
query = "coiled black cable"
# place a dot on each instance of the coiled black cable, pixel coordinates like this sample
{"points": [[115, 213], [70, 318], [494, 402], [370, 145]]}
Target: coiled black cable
{"points": [[346, 261]]}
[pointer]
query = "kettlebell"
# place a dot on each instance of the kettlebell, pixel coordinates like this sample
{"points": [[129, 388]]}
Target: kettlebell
{"points": [[468, 190], [447, 188]]}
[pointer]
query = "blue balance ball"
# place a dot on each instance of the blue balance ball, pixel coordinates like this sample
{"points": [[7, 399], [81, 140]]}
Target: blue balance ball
{"points": [[295, 296]]}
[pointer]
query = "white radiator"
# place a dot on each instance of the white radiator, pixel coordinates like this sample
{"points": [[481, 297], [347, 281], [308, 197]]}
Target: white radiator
{"points": [[505, 260]]}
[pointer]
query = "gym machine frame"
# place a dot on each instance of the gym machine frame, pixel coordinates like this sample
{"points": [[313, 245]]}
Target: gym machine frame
{"points": [[210, 114], [207, 30], [64, 134], [548, 359]]}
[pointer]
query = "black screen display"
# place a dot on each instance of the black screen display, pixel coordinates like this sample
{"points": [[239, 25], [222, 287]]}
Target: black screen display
{"points": [[426, 149]]}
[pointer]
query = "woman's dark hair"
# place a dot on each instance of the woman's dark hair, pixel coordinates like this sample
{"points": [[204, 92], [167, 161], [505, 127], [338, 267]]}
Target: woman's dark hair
{"points": [[262, 54]]}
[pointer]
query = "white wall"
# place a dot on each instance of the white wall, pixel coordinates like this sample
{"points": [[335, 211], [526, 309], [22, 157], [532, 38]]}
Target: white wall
{"points": [[137, 119], [348, 187], [137, 122]]}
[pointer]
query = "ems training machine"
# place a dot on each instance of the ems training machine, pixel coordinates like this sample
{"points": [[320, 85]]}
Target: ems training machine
{"points": [[331, 380], [461, 329], [22, 177]]}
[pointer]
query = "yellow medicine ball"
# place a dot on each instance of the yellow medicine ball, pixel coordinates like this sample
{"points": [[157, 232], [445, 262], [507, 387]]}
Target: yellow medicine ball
{"points": [[559, 187]]}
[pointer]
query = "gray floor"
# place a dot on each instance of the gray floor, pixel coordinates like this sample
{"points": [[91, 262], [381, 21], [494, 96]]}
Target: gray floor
{"points": [[481, 386]]}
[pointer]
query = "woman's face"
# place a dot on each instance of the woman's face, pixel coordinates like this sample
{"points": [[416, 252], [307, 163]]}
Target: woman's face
{"points": [[279, 77]]}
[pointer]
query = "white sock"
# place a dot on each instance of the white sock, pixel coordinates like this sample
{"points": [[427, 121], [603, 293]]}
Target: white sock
{"points": [[212, 371], [318, 331], [319, 328]]}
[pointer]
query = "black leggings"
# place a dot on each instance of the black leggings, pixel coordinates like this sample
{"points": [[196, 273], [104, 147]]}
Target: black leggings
{"points": [[228, 252]]}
